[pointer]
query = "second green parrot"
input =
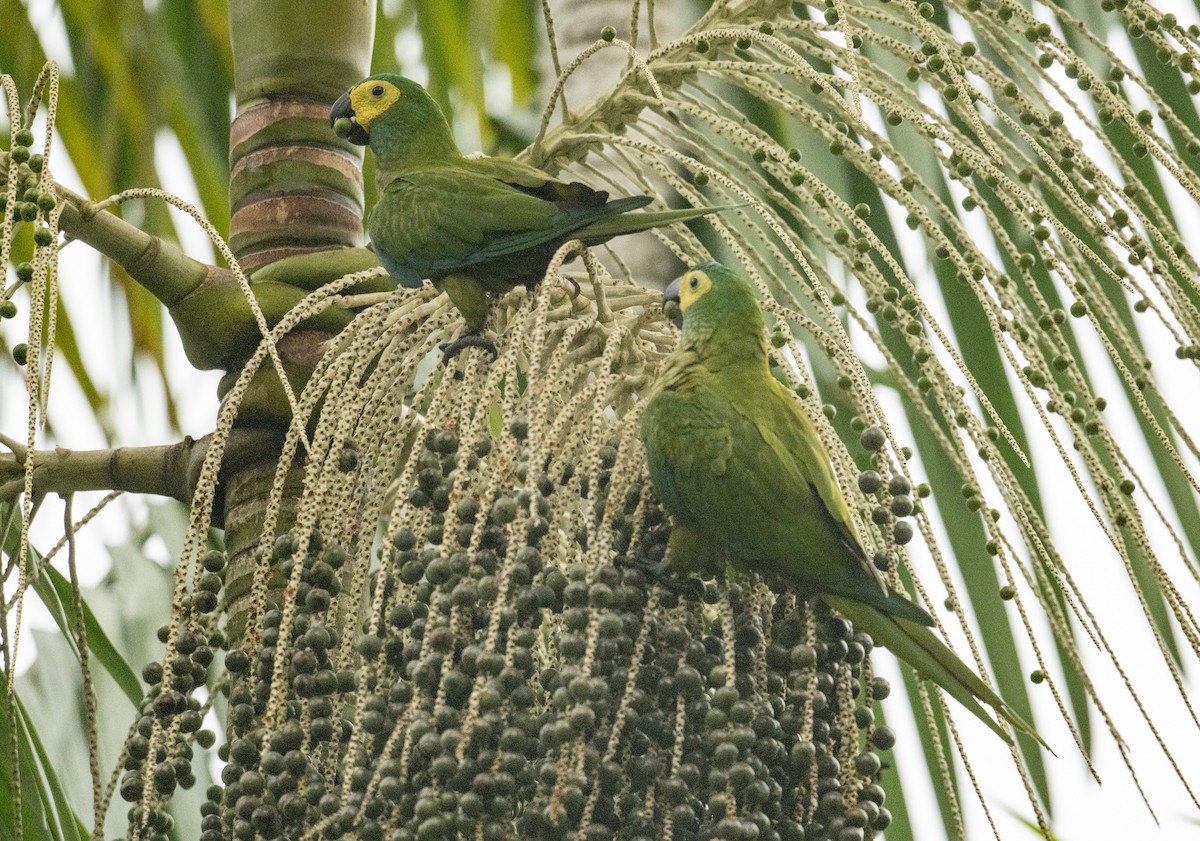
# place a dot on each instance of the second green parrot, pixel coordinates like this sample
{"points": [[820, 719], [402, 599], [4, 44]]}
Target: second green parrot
{"points": [[738, 464], [472, 225]]}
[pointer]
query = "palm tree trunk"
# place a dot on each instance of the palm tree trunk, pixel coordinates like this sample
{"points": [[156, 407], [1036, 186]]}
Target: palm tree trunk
{"points": [[294, 188]]}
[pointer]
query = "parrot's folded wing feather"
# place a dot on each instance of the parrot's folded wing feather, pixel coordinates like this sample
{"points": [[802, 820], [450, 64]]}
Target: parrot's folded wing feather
{"points": [[784, 525], [789, 433], [631, 223], [790, 430], [536, 182], [447, 220], [719, 467]]}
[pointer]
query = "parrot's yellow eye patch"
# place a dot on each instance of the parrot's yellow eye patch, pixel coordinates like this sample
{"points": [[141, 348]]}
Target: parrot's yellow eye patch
{"points": [[371, 98], [691, 286]]}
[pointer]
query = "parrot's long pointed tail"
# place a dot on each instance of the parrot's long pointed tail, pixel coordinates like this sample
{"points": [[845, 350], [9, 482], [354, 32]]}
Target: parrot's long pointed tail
{"points": [[933, 660], [605, 229]]}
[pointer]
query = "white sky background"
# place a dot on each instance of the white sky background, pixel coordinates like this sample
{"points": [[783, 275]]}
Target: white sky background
{"points": [[1083, 810]]}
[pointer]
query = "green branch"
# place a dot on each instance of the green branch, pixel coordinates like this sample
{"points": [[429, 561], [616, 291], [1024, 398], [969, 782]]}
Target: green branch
{"points": [[169, 470], [165, 470], [155, 264]]}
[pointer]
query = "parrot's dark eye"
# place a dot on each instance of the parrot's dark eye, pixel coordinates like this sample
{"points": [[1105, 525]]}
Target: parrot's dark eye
{"points": [[377, 90], [694, 282]]}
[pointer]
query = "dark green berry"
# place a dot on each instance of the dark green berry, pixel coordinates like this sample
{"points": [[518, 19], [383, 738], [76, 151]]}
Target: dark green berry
{"points": [[873, 438]]}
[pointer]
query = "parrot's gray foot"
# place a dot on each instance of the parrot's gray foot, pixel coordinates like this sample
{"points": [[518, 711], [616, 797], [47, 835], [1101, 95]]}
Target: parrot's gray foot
{"points": [[687, 589], [660, 573], [465, 340], [655, 570]]}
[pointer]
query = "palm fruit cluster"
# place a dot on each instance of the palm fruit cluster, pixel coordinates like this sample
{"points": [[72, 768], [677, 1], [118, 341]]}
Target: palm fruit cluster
{"points": [[507, 693], [468, 631]]}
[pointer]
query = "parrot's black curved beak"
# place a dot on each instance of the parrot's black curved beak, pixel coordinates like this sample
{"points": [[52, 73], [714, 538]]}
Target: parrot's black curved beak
{"points": [[671, 302], [343, 110]]}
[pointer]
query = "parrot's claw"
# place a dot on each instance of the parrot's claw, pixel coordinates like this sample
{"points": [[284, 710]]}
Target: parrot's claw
{"points": [[655, 570], [465, 340], [576, 289], [660, 573], [688, 589]]}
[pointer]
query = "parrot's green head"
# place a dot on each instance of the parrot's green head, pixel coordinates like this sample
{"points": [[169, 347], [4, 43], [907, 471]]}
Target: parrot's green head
{"points": [[396, 118], [715, 302]]}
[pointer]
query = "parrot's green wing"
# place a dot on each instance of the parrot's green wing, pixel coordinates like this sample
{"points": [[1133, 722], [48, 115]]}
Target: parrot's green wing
{"points": [[790, 433], [441, 220], [721, 466], [532, 180], [571, 197], [630, 223]]}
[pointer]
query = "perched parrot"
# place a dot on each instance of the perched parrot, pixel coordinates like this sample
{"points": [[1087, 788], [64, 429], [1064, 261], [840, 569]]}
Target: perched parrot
{"points": [[737, 463], [471, 225]]}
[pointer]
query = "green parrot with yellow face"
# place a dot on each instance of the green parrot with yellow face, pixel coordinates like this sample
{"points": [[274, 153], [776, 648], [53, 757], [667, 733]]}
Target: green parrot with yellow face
{"points": [[472, 225], [736, 461]]}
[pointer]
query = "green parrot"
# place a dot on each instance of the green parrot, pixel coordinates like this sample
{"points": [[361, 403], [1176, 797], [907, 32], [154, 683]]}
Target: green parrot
{"points": [[472, 225], [737, 463]]}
